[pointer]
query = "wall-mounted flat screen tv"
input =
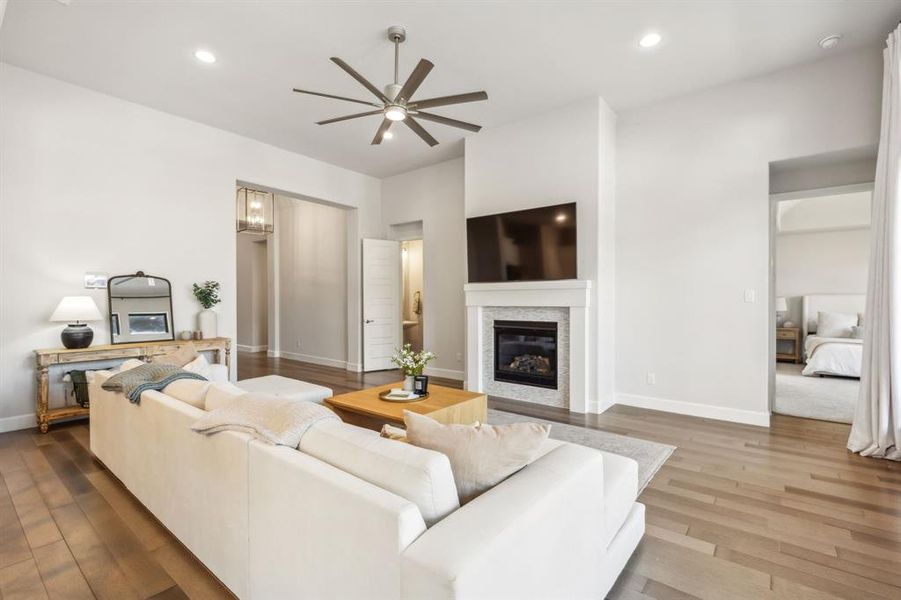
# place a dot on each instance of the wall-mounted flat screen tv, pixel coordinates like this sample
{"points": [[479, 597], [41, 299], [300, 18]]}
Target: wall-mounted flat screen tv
{"points": [[525, 245]]}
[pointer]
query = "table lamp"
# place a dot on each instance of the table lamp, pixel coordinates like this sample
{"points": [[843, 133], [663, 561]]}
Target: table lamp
{"points": [[76, 310], [781, 305]]}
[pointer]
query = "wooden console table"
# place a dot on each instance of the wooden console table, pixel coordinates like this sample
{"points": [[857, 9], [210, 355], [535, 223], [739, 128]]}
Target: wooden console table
{"points": [[143, 350]]}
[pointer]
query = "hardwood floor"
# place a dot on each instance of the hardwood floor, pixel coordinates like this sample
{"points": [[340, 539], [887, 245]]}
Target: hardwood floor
{"points": [[736, 512]]}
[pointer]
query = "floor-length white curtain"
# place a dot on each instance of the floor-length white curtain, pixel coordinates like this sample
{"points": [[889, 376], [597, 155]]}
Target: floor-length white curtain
{"points": [[876, 430]]}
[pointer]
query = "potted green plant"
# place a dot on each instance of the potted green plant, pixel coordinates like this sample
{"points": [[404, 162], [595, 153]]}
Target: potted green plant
{"points": [[207, 294], [411, 363]]}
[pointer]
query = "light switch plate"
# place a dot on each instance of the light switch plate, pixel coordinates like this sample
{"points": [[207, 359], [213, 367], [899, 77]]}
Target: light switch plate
{"points": [[750, 296]]}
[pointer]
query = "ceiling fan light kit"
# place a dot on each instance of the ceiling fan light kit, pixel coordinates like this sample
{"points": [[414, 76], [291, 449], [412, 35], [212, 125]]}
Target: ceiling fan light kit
{"points": [[395, 102]]}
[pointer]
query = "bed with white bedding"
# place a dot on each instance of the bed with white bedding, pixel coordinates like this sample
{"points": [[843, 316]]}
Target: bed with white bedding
{"points": [[830, 326]]}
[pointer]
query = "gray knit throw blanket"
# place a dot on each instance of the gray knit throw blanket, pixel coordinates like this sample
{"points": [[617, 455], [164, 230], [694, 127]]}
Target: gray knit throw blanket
{"points": [[150, 376]]}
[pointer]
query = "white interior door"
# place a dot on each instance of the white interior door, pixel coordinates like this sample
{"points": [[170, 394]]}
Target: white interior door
{"points": [[381, 303]]}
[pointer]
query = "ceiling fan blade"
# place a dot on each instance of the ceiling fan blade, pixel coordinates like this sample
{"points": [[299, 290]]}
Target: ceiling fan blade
{"points": [[349, 70], [446, 121], [417, 128], [447, 100], [335, 97], [414, 80], [380, 134], [345, 118]]}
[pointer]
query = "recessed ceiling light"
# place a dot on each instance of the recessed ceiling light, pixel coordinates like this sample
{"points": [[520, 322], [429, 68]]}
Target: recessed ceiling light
{"points": [[649, 40], [387, 136], [205, 56], [830, 41]]}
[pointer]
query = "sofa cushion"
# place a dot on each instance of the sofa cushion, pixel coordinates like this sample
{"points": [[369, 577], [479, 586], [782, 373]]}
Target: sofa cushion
{"points": [[192, 391], [285, 387], [220, 394], [481, 455], [421, 476], [620, 492]]}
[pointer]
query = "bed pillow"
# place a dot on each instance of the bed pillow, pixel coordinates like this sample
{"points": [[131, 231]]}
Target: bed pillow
{"points": [[857, 332], [835, 325]]}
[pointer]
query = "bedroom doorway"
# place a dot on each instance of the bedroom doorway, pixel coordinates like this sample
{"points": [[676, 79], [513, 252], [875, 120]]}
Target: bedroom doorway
{"points": [[820, 246]]}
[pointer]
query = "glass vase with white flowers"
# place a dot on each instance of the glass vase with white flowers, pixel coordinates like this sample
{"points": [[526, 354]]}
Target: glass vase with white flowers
{"points": [[411, 363]]}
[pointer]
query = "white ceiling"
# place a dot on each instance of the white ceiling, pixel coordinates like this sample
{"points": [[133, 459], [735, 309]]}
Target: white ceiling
{"points": [[529, 57]]}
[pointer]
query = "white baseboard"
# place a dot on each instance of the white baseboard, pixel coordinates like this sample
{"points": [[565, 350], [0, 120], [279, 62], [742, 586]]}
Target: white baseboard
{"points": [[316, 360], [273, 353], [355, 367], [18, 422], [446, 373], [707, 411], [243, 348]]}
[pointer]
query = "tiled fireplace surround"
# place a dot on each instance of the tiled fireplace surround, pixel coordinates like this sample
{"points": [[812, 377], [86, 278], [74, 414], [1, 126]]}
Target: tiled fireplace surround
{"points": [[564, 301]]}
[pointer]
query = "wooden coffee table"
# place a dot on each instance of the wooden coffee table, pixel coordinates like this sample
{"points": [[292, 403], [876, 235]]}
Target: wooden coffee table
{"points": [[444, 404]]}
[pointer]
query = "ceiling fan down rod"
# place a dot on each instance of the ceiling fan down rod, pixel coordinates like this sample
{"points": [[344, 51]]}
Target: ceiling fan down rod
{"points": [[397, 34]]}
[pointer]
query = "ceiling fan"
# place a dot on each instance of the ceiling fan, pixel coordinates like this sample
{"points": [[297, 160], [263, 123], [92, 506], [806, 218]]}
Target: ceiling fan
{"points": [[396, 102]]}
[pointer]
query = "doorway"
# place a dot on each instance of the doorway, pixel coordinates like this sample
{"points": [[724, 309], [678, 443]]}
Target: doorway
{"points": [[412, 300], [819, 258], [253, 292]]}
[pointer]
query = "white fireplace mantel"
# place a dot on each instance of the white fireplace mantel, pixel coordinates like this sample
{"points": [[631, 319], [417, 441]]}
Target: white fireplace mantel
{"points": [[573, 294]]}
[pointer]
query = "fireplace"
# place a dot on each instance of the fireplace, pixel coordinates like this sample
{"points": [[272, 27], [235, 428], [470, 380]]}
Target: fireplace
{"points": [[525, 352]]}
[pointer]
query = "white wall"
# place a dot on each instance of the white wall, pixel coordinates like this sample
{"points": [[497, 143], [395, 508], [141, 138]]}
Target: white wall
{"points": [[566, 155], [252, 290], [89, 182], [312, 273], [825, 262], [434, 195], [693, 227]]}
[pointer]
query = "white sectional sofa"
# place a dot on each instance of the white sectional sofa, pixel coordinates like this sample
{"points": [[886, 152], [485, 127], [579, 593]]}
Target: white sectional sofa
{"points": [[354, 515]]}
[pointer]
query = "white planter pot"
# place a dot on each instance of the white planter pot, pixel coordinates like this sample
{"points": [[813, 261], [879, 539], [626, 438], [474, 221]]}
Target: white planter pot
{"points": [[207, 323], [408, 383]]}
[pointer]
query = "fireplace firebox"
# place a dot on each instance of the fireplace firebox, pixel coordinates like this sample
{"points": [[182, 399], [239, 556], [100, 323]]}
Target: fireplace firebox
{"points": [[525, 352]]}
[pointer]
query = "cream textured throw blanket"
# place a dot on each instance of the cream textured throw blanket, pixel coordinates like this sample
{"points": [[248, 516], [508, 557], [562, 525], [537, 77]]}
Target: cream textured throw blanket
{"points": [[268, 418]]}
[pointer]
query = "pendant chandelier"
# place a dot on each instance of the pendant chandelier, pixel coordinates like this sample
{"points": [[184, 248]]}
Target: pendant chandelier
{"points": [[256, 211]]}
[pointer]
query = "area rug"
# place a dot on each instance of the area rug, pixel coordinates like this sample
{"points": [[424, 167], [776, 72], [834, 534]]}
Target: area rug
{"points": [[650, 456], [823, 398]]}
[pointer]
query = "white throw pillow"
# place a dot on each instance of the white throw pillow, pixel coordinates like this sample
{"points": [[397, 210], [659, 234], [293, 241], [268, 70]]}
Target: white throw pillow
{"points": [[190, 391], [481, 456], [857, 332], [835, 325], [220, 394], [199, 365]]}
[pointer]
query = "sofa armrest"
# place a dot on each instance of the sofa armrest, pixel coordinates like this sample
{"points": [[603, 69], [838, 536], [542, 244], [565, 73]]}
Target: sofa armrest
{"points": [[538, 534]]}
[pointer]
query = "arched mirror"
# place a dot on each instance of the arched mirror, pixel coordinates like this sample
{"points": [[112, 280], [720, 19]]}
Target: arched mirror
{"points": [[140, 308]]}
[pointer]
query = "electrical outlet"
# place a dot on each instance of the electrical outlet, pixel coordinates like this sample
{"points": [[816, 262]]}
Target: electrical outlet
{"points": [[750, 296], [298, 344], [651, 378], [459, 357]]}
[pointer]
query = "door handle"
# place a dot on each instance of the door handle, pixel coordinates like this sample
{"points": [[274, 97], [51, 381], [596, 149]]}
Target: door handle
{"points": [[369, 321]]}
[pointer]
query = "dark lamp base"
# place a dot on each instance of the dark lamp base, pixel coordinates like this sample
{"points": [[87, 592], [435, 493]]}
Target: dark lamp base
{"points": [[76, 336]]}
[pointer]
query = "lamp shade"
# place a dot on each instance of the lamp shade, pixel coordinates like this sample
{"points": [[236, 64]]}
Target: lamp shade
{"points": [[781, 304], [73, 309]]}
